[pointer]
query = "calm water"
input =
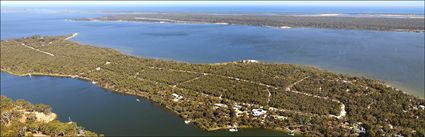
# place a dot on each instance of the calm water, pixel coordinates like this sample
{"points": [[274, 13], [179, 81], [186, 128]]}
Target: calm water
{"points": [[347, 9], [102, 111], [395, 57]]}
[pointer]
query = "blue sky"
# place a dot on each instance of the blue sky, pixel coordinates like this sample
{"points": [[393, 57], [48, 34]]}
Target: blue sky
{"points": [[295, 3]]}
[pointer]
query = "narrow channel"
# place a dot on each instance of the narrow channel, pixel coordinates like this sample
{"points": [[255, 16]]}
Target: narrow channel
{"points": [[103, 111]]}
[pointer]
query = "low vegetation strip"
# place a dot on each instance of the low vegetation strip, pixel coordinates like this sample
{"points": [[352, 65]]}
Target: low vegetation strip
{"points": [[285, 21], [230, 95]]}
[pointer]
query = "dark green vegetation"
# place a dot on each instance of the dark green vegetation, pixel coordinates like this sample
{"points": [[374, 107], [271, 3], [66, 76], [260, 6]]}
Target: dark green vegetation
{"points": [[21, 118], [215, 96], [277, 20]]}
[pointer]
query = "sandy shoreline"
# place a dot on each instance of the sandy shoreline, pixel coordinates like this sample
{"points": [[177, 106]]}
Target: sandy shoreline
{"points": [[384, 22]]}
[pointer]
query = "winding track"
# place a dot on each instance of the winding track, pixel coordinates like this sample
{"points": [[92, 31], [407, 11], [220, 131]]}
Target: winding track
{"points": [[44, 52], [288, 88]]}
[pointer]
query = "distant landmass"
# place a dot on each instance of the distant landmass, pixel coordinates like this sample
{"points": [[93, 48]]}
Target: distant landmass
{"points": [[241, 94], [379, 22]]}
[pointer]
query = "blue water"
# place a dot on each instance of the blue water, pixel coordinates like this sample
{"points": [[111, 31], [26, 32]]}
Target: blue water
{"points": [[395, 57], [105, 112], [346, 9]]}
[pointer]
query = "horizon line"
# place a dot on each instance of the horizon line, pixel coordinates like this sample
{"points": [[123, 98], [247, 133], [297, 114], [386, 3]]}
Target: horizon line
{"points": [[220, 3]]}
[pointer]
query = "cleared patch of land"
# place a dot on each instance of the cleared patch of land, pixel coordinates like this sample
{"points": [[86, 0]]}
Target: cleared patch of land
{"points": [[284, 21], [242, 94]]}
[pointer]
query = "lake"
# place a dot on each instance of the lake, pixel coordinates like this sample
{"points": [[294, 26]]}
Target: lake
{"points": [[102, 111], [394, 57]]}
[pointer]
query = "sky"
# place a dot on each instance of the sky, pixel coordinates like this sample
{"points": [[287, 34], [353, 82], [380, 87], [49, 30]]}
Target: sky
{"points": [[290, 3]]}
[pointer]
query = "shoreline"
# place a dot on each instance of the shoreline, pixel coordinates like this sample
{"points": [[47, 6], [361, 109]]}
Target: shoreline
{"points": [[376, 22], [138, 95], [23, 118], [406, 89], [105, 66], [263, 26]]}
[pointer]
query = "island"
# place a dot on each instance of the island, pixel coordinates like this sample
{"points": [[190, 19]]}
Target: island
{"points": [[21, 118], [378, 22], [291, 98]]}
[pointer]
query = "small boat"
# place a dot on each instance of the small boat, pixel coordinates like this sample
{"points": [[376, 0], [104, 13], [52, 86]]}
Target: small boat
{"points": [[138, 100], [233, 130], [187, 121], [93, 82], [291, 133], [70, 120]]}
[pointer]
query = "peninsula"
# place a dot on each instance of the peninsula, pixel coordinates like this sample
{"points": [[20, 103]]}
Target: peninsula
{"points": [[21, 118], [384, 22], [241, 94]]}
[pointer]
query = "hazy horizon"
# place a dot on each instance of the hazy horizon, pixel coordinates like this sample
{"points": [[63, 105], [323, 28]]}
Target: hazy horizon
{"points": [[225, 3]]}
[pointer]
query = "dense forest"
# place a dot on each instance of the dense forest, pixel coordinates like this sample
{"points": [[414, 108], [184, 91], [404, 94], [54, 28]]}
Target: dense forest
{"points": [[287, 97], [277, 20], [21, 118]]}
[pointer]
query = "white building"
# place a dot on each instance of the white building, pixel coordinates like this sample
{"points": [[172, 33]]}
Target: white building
{"points": [[237, 107], [422, 106], [291, 132], [258, 112], [250, 61], [176, 97], [98, 68]]}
